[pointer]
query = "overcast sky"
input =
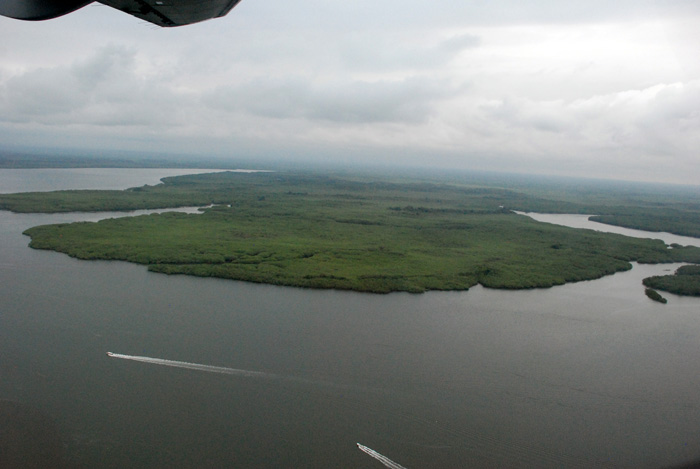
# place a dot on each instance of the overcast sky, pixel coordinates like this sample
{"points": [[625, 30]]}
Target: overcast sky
{"points": [[583, 88]]}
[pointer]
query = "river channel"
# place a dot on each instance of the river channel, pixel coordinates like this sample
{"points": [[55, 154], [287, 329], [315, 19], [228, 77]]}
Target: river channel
{"points": [[579, 375]]}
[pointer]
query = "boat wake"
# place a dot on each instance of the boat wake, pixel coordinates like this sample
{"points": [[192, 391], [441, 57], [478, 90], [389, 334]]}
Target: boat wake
{"points": [[380, 457], [195, 366], [242, 373]]}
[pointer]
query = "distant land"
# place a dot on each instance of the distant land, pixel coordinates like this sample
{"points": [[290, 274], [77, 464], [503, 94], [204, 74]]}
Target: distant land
{"points": [[25, 159], [364, 232]]}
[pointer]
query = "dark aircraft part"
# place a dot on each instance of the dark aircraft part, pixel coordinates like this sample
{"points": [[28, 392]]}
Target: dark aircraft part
{"points": [[169, 13], [166, 13], [39, 9]]}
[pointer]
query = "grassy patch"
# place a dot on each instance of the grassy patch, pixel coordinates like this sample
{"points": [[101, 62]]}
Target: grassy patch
{"points": [[323, 232], [685, 281], [654, 295]]}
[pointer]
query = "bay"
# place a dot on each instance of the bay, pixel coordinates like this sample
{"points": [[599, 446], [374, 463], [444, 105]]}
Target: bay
{"points": [[581, 375], [42, 180]]}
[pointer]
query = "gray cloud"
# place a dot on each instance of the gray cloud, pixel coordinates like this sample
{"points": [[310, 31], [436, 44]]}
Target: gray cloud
{"points": [[103, 90], [362, 15], [352, 102], [402, 51], [653, 123], [532, 86]]}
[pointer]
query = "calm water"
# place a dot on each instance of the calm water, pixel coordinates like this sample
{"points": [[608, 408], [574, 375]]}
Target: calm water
{"points": [[582, 221], [584, 374], [30, 180]]}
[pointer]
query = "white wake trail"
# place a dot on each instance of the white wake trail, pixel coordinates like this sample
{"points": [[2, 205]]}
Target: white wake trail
{"points": [[380, 457], [195, 366], [237, 372]]}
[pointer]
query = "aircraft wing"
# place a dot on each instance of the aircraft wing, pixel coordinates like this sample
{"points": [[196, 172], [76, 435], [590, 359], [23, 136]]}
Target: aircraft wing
{"points": [[166, 13], [169, 13]]}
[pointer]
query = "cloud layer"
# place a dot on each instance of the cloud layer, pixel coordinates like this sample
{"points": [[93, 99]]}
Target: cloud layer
{"points": [[583, 88]]}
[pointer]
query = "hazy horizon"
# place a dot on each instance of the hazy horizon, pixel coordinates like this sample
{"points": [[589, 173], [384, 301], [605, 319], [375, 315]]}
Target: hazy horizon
{"points": [[586, 89]]}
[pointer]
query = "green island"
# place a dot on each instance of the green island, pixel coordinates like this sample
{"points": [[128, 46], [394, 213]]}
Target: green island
{"points": [[685, 281], [349, 231], [654, 295]]}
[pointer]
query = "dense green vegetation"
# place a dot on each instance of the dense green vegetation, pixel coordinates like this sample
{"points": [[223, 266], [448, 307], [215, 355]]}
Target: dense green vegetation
{"points": [[331, 232], [672, 221], [686, 281], [147, 197], [652, 207], [654, 295]]}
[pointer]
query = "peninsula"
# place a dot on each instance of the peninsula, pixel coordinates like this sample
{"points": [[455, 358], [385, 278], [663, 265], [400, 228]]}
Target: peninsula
{"points": [[353, 233]]}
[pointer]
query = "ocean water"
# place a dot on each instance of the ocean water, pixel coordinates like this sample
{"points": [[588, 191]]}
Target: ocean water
{"points": [[580, 375]]}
